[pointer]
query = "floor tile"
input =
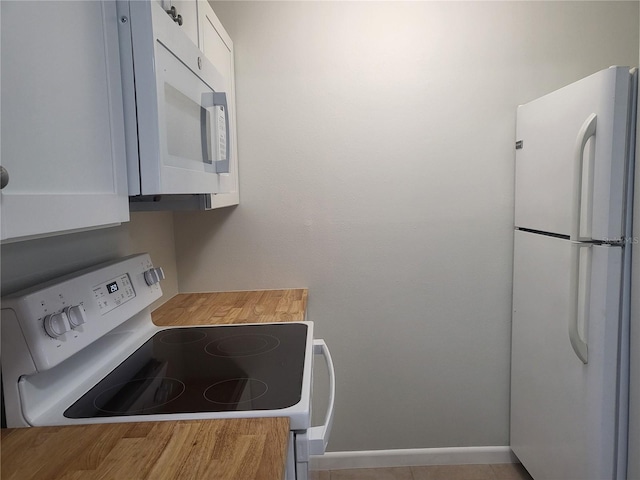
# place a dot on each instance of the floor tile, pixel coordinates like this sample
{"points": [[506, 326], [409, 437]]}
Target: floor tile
{"points": [[510, 471], [396, 473], [453, 472]]}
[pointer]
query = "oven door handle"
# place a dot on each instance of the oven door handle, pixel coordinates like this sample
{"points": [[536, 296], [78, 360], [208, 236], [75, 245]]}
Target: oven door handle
{"points": [[318, 437]]}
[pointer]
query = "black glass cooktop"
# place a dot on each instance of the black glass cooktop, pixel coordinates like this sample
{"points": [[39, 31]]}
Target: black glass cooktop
{"points": [[203, 369]]}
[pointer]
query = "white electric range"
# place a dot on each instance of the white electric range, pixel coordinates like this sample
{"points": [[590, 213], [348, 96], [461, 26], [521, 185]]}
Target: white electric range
{"points": [[83, 349]]}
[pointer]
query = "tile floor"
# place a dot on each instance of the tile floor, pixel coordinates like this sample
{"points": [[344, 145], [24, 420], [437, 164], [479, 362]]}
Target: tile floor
{"points": [[503, 471]]}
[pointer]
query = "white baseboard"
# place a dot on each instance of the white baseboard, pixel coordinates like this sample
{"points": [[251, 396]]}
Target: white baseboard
{"points": [[412, 457]]}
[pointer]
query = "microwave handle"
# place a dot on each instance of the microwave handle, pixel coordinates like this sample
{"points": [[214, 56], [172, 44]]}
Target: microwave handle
{"points": [[220, 100], [216, 99]]}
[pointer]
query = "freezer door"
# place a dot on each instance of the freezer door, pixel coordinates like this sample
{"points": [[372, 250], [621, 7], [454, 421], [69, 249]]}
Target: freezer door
{"points": [[563, 411], [570, 157]]}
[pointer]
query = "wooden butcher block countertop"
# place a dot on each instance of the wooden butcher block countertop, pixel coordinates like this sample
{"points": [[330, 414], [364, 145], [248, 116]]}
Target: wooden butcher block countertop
{"points": [[236, 449], [233, 307]]}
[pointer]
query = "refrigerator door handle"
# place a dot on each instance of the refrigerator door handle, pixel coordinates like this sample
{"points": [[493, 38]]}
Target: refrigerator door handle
{"points": [[587, 131], [580, 347]]}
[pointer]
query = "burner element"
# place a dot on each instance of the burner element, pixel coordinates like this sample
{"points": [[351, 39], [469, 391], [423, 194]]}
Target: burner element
{"points": [[182, 336], [139, 396], [235, 391], [242, 345]]}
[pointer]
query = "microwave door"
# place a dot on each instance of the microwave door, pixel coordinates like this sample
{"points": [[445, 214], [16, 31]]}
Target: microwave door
{"points": [[177, 149]]}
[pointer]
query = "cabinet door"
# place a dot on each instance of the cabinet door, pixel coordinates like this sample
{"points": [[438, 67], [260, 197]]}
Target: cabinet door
{"points": [[62, 120], [188, 11], [217, 46]]}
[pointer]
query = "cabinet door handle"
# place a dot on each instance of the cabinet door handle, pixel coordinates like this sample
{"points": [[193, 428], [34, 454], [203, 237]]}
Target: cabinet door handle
{"points": [[173, 13], [4, 177]]}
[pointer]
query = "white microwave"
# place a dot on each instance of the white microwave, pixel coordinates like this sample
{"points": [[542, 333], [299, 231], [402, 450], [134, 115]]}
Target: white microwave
{"points": [[178, 119]]}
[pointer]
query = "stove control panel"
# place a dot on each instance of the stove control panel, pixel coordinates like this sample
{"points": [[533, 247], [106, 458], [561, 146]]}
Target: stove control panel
{"points": [[113, 293], [59, 318]]}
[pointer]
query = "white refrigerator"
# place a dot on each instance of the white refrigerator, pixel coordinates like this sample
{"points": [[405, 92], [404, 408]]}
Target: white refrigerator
{"points": [[570, 337]]}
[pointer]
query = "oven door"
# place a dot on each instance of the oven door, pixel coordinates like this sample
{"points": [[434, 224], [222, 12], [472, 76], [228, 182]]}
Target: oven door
{"points": [[181, 109], [313, 441]]}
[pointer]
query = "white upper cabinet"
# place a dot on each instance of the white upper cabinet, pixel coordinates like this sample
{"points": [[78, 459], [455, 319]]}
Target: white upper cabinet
{"points": [[214, 41], [62, 124], [185, 14], [217, 46]]}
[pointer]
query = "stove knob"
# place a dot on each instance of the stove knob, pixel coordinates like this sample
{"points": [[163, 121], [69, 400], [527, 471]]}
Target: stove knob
{"points": [[56, 325], [76, 315], [154, 275]]}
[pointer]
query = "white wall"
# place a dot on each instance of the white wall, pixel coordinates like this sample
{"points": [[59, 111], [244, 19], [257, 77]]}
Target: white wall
{"points": [[376, 147], [27, 263]]}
